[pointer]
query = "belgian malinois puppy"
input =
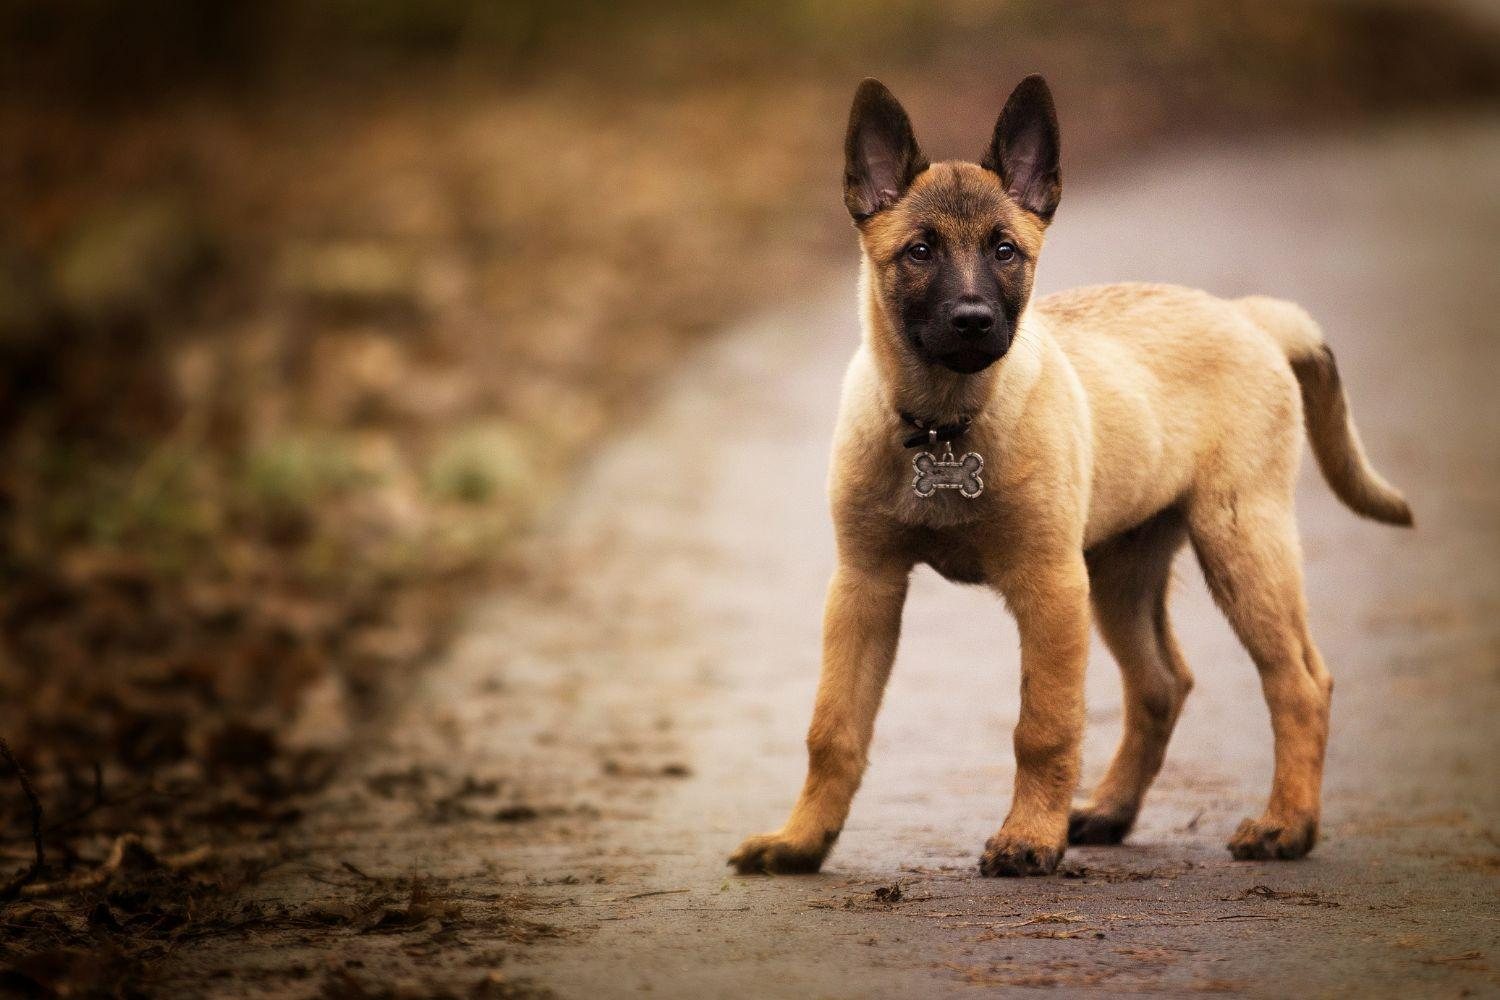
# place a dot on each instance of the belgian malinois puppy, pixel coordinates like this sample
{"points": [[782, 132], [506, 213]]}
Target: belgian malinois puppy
{"points": [[1101, 428]]}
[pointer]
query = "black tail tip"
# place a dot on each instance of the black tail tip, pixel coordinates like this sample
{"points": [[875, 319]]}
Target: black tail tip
{"points": [[1400, 516]]}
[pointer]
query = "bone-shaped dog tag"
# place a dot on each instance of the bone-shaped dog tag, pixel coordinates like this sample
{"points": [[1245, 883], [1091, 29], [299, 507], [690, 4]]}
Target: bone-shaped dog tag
{"points": [[948, 473]]}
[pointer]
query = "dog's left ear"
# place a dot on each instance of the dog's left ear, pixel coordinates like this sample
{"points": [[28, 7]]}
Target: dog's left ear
{"points": [[1025, 149]]}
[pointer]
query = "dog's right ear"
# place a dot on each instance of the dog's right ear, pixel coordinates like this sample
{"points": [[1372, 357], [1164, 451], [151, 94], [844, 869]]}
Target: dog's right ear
{"points": [[881, 156]]}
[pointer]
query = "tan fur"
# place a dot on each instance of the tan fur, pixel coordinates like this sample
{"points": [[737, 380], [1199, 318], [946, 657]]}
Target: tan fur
{"points": [[1123, 421]]}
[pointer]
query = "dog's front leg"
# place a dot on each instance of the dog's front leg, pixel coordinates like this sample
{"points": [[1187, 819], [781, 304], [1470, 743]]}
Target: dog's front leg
{"points": [[1051, 606], [861, 625]]}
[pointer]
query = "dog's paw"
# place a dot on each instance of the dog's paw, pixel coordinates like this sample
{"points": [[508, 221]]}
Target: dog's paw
{"points": [[1006, 856], [1269, 840], [774, 854], [1098, 826]]}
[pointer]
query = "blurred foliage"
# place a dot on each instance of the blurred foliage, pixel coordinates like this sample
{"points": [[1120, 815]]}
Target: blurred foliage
{"points": [[127, 259], [286, 481], [108, 51], [482, 464]]}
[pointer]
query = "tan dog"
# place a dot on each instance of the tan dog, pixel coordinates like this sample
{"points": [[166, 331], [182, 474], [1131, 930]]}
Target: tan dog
{"points": [[1114, 424]]}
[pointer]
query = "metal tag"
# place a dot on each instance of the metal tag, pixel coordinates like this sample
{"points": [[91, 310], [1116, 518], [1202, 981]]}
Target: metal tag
{"points": [[948, 473]]}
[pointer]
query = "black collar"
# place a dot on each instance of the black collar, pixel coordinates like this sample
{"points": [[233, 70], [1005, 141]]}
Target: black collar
{"points": [[930, 433]]}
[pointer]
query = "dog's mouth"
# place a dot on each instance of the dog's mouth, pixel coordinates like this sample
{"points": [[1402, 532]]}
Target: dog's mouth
{"points": [[969, 362], [968, 357]]}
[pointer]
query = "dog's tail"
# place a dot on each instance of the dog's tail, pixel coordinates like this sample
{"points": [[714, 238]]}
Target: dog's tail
{"points": [[1330, 428]]}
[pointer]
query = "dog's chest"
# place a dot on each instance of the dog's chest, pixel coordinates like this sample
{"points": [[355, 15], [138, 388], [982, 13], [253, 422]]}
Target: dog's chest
{"points": [[952, 552], [954, 500]]}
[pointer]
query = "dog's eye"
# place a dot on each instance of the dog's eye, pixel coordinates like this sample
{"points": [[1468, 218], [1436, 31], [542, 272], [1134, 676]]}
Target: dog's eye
{"points": [[1005, 252], [919, 252]]}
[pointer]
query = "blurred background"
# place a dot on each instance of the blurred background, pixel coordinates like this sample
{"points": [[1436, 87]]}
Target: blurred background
{"points": [[307, 310]]}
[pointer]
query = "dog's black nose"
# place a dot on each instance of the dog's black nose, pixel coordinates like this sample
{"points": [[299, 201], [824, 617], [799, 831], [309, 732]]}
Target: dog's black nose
{"points": [[972, 319]]}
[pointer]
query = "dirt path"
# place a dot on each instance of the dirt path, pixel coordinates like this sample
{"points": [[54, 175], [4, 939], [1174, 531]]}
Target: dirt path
{"points": [[575, 773]]}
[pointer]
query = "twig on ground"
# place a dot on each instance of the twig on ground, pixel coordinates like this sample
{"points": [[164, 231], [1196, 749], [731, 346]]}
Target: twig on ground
{"points": [[1467, 956], [122, 848], [40, 859], [643, 895], [1067, 917]]}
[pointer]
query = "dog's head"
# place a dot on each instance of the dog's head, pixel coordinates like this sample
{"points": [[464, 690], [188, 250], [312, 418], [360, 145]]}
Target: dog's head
{"points": [[952, 247]]}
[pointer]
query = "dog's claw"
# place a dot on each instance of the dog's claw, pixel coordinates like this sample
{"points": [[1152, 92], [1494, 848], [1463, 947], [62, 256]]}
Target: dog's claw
{"points": [[1007, 858], [772, 854], [1087, 826], [1269, 840]]}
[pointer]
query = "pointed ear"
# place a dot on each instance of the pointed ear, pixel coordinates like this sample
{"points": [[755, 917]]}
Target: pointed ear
{"points": [[1025, 149], [881, 157]]}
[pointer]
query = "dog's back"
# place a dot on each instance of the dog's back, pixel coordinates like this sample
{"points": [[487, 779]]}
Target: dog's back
{"points": [[1187, 391]]}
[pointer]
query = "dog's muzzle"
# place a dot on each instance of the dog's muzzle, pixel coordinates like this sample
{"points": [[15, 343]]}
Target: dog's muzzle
{"points": [[970, 355]]}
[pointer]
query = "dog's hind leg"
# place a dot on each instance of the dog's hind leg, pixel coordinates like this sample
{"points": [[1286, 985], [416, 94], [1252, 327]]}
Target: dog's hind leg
{"points": [[1250, 556], [1128, 583]]}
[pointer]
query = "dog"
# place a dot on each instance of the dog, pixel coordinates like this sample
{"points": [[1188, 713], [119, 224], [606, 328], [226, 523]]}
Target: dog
{"points": [[1103, 428]]}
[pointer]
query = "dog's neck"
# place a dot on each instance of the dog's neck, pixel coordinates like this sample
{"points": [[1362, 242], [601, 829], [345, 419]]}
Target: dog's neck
{"points": [[935, 395]]}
